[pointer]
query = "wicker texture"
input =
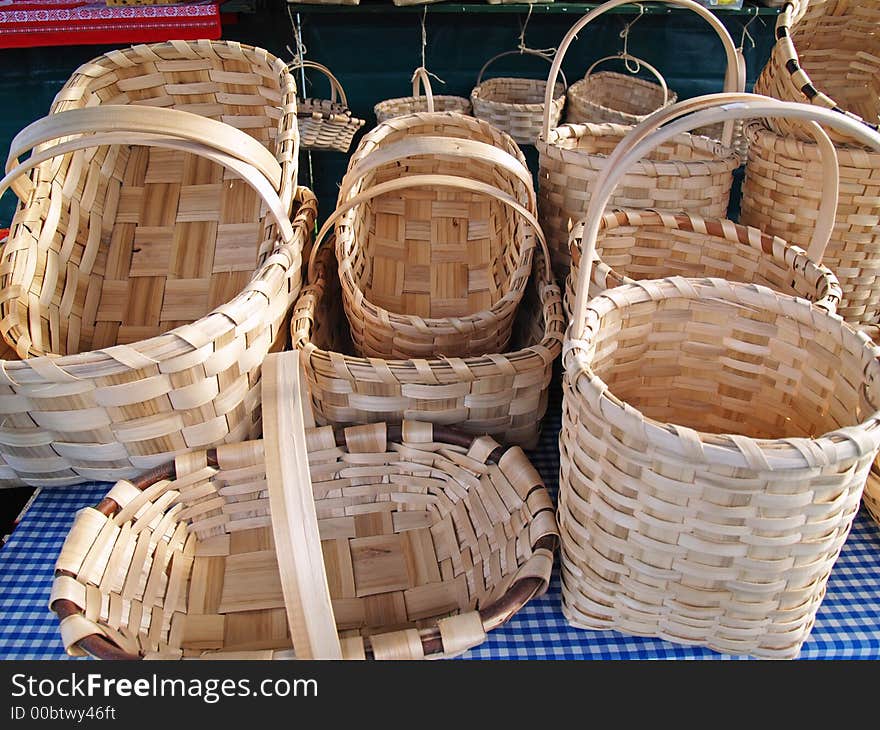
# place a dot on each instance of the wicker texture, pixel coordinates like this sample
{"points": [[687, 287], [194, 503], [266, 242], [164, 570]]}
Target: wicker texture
{"points": [[418, 533], [516, 105], [504, 395], [780, 195], [827, 52], [325, 124], [129, 283], [420, 102], [871, 498], [433, 263]]}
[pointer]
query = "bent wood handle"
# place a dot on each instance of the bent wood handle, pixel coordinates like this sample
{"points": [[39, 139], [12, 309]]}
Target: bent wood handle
{"points": [[335, 86], [520, 52], [629, 57], [420, 77]]}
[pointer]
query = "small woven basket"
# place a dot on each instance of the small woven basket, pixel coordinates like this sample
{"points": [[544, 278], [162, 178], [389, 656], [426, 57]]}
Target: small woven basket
{"points": [[620, 98], [325, 124], [516, 105], [151, 263], [433, 263], [715, 443], [375, 542], [418, 102], [825, 48], [691, 174]]}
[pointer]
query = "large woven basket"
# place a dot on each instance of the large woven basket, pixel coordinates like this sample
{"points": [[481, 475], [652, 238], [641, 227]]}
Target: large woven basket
{"points": [[379, 542], [516, 105], [433, 263], [690, 174], [501, 394], [419, 102], [780, 195], [144, 279], [715, 443], [614, 97], [827, 52], [325, 124]]}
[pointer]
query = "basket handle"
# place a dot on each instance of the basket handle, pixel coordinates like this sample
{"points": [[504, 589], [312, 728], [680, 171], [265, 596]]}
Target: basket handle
{"points": [[440, 181], [629, 57], [701, 111], [294, 517], [336, 90], [734, 77], [420, 77], [519, 52]]}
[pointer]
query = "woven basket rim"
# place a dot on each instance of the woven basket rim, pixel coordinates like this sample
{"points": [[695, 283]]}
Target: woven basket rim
{"points": [[718, 447], [402, 100], [483, 92], [759, 133], [577, 91]]}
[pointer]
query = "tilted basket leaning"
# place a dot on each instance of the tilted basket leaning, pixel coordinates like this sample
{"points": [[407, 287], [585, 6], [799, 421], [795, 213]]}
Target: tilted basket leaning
{"points": [[418, 102], [374, 542], [715, 443], [129, 288]]}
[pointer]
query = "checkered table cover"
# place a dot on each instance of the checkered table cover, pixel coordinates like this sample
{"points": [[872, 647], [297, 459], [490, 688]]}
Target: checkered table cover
{"points": [[847, 625]]}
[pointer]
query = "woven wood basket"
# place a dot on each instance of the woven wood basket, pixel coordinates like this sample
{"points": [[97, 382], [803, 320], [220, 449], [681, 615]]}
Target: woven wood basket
{"points": [[826, 48], [614, 97], [418, 102], [325, 124], [389, 543], [504, 395], [145, 279], [715, 443], [516, 105], [780, 195], [690, 174], [431, 263], [871, 498]]}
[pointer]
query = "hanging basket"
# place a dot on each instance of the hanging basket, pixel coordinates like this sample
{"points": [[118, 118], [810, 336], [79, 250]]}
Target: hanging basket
{"points": [[614, 97], [418, 102], [715, 443], [151, 263], [375, 542], [325, 124], [690, 174], [827, 53], [516, 105]]}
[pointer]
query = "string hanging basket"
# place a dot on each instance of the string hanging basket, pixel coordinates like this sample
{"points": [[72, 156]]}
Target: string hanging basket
{"points": [[827, 52], [151, 262], [620, 98], [325, 124], [690, 174], [418, 102], [432, 263], [715, 443], [516, 105], [330, 566]]}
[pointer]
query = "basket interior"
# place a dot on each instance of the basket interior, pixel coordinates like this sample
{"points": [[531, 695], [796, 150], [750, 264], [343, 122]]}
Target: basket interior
{"points": [[719, 367], [147, 238], [619, 92], [515, 90]]}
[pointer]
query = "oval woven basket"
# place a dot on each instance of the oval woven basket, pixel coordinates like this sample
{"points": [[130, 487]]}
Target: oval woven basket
{"points": [[697, 179], [715, 443], [433, 263], [146, 275], [501, 394], [516, 105], [827, 52], [418, 102], [381, 542], [781, 195]]}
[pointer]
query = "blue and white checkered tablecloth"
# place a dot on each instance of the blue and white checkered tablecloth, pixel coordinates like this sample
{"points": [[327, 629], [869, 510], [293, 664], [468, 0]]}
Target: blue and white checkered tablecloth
{"points": [[847, 626]]}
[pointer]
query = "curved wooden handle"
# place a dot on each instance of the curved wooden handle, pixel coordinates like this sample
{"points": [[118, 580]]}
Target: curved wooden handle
{"points": [[335, 86], [701, 111], [519, 52], [630, 57], [420, 77], [734, 79]]}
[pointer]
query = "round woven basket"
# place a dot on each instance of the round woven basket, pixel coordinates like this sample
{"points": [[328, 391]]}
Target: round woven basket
{"points": [[827, 53], [418, 102], [691, 174], [620, 98], [516, 105], [151, 262], [375, 542], [715, 443]]}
